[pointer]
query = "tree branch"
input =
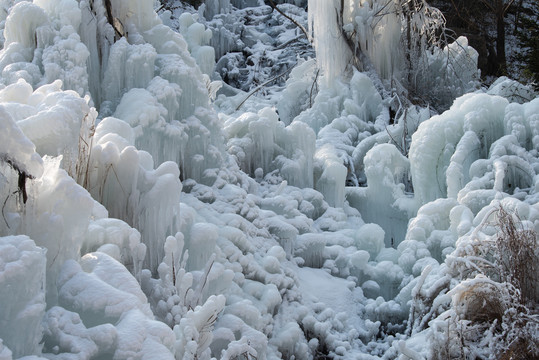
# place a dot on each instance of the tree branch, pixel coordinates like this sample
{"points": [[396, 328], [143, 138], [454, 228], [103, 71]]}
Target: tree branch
{"points": [[264, 84], [489, 5], [294, 21]]}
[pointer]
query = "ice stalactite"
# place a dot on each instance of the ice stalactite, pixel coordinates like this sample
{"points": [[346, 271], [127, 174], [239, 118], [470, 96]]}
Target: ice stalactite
{"points": [[332, 52], [214, 7], [310, 247], [198, 37], [481, 113], [300, 91], [126, 60], [261, 141], [384, 201], [484, 149], [330, 175], [174, 122], [376, 27], [98, 35], [50, 46], [466, 152], [125, 181]]}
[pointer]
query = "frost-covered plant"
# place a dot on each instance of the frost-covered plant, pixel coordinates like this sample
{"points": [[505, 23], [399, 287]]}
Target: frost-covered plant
{"points": [[194, 333], [517, 257], [177, 299], [434, 71], [493, 312], [405, 42], [86, 137]]}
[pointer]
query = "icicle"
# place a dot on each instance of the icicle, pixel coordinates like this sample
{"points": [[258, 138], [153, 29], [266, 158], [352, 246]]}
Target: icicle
{"points": [[332, 51]]}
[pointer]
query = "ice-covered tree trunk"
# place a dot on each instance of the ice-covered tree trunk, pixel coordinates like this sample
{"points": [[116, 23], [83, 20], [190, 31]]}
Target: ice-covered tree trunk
{"points": [[399, 43], [332, 52]]}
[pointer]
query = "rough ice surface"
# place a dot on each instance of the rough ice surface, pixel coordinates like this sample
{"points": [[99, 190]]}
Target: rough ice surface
{"points": [[181, 183], [15, 144], [23, 307]]}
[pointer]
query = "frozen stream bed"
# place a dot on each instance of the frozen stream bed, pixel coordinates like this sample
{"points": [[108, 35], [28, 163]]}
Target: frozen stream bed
{"points": [[202, 183]]}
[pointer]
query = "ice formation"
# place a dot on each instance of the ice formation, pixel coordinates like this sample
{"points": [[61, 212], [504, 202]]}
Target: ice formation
{"points": [[199, 183], [23, 307]]}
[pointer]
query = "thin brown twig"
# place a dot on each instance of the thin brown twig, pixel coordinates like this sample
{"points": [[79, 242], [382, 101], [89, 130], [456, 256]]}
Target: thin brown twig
{"points": [[312, 88]]}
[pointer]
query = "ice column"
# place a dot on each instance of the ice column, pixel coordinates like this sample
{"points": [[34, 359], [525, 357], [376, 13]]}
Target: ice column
{"points": [[332, 51]]}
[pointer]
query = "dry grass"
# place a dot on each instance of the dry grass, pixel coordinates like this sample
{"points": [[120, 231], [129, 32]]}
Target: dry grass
{"points": [[483, 303], [518, 257], [86, 137], [495, 312], [518, 351]]}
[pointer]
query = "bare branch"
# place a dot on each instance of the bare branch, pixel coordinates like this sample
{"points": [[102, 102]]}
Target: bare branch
{"points": [[488, 4], [294, 21], [264, 84]]}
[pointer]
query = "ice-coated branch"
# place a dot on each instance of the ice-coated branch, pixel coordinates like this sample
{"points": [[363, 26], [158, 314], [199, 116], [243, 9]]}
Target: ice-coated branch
{"points": [[301, 27], [258, 88]]}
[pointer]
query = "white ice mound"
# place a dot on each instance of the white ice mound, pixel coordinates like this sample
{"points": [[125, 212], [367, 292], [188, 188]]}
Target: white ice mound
{"points": [[100, 289], [384, 200], [512, 90], [262, 141], [46, 47], [109, 313], [49, 117], [437, 139], [480, 146], [22, 278], [124, 180], [65, 333], [16, 149], [31, 16]]}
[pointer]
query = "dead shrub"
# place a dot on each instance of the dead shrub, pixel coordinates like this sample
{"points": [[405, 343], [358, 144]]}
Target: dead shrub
{"points": [[517, 256]]}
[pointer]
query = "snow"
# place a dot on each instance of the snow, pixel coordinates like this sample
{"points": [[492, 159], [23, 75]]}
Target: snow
{"points": [[22, 262], [154, 205], [319, 286], [23, 35], [17, 149]]}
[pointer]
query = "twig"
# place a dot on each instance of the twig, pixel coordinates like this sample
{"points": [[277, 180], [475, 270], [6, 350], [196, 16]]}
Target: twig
{"points": [[262, 85], [160, 8], [206, 277], [117, 179], [396, 143], [312, 88], [294, 21], [282, 46], [5, 202], [173, 272]]}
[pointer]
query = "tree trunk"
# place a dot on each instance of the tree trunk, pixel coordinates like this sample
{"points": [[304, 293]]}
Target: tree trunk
{"points": [[500, 44]]}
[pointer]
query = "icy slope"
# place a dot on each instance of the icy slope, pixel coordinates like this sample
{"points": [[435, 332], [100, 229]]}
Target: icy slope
{"points": [[141, 220]]}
